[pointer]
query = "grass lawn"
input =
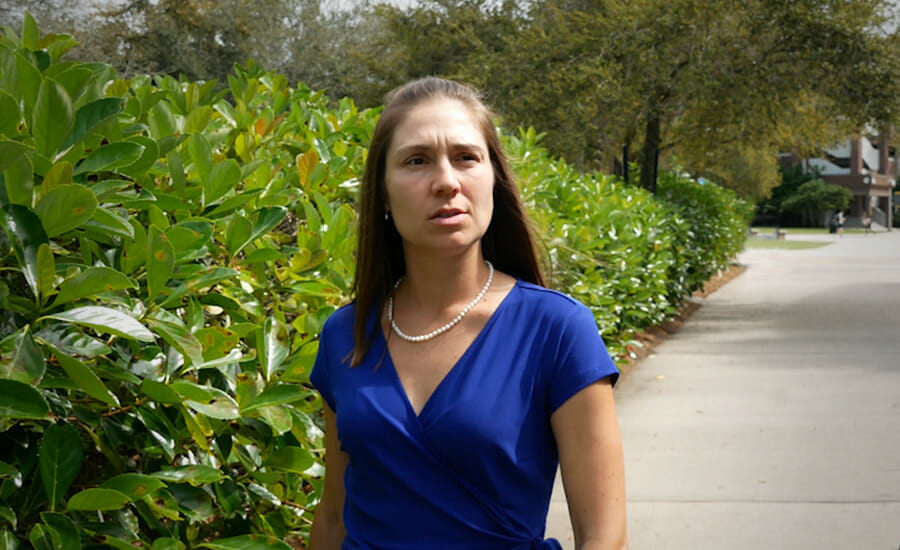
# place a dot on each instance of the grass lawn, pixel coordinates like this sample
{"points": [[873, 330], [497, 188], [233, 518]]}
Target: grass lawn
{"points": [[783, 244]]}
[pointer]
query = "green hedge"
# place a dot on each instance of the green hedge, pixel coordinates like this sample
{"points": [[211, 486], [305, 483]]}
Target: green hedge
{"points": [[169, 252]]}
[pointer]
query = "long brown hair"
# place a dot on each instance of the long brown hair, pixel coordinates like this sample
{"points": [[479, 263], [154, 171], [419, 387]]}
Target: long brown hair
{"points": [[508, 242]]}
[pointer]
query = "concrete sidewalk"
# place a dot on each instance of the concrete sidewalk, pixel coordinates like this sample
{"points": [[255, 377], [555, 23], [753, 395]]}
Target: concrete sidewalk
{"points": [[771, 420]]}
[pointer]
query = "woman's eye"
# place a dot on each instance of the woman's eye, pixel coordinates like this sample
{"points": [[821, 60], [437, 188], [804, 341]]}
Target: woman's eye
{"points": [[415, 161], [469, 157]]}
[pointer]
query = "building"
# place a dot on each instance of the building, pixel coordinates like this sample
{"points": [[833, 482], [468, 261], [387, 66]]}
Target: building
{"points": [[868, 168]]}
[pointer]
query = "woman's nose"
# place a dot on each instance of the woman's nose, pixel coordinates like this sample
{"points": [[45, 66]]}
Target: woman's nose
{"points": [[446, 180]]}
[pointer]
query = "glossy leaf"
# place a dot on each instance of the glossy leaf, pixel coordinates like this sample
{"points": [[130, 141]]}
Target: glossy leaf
{"points": [[98, 500], [90, 116], [195, 474], [26, 234], [290, 459], [217, 341], [136, 486], [107, 222], [223, 177], [275, 346], [59, 175], [106, 320], [86, 379], [90, 282], [19, 181], [72, 341], [110, 157], [173, 331], [65, 529], [10, 152], [61, 456], [20, 358], [266, 219], [306, 163], [160, 392], [21, 401], [201, 155], [42, 537], [53, 117], [238, 234], [11, 119], [247, 542], [161, 121], [46, 272], [8, 540], [279, 394], [160, 261]]}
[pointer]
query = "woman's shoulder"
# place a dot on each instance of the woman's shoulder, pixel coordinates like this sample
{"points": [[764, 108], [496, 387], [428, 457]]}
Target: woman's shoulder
{"points": [[543, 296], [341, 321], [549, 304]]}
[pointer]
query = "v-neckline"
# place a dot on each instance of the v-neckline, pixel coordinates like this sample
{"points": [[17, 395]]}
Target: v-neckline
{"points": [[481, 335]]}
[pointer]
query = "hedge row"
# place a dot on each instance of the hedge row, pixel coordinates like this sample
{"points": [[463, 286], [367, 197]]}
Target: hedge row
{"points": [[169, 253]]}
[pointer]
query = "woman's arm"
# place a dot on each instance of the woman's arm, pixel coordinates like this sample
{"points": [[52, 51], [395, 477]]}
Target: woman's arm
{"points": [[593, 467], [327, 531]]}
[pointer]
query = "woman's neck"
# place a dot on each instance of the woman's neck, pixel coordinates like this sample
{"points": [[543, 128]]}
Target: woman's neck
{"points": [[438, 282]]}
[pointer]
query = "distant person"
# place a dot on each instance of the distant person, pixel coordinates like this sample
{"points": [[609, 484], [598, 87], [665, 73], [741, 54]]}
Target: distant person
{"points": [[867, 223], [456, 383], [840, 222]]}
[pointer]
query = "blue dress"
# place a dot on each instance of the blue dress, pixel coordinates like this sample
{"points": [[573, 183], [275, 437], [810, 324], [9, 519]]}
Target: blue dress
{"points": [[475, 469]]}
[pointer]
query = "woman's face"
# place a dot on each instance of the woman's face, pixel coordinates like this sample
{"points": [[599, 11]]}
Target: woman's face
{"points": [[439, 179]]}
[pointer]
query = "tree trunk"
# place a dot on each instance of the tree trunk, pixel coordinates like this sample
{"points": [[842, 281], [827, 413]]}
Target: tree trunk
{"points": [[650, 153]]}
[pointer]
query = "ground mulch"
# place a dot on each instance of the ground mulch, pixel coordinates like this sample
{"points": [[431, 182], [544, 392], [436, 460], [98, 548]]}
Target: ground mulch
{"points": [[645, 341]]}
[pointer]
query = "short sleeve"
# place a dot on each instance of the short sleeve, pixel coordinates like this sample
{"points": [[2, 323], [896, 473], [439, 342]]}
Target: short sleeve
{"points": [[319, 377], [581, 358]]}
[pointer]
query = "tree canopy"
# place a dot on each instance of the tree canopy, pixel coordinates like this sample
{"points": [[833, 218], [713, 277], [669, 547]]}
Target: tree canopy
{"points": [[715, 87]]}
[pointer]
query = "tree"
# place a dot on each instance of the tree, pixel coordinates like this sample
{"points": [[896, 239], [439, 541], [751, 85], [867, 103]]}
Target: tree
{"points": [[815, 197]]}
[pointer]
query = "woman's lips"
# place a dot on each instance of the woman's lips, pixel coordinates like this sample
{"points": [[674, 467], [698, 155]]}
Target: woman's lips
{"points": [[447, 218]]}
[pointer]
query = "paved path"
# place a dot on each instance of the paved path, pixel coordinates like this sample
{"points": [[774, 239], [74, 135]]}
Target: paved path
{"points": [[771, 420]]}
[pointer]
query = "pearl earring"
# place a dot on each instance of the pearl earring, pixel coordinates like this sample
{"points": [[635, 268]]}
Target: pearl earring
{"points": [[387, 215]]}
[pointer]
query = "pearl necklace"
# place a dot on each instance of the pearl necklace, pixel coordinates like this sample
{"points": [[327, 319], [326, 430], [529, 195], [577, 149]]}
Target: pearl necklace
{"points": [[448, 326]]}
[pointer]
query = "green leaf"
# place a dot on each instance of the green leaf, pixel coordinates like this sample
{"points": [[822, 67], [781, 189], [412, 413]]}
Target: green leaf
{"points": [[134, 251], [160, 392], [86, 379], [91, 115], [96, 499], [42, 537], [8, 541], [275, 346], [247, 542], [19, 182], [166, 543], [161, 121], [279, 394], [20, 358], [262, 255], [238, 234], [29, 81], [195, 474], [136, 486], [10, 152], [9, 122], [290, 459], [90, 282], [60, 174], [31, 35], [61, 457], [266, 219], [207, 400], [65, 529], [7, 515], [107, 222], [173, 331], [200, 281], [72, 341], [201, 155], [52, 118], [21, 401], [106, 320], [189, 239], [223, 177], [110, 157], [160, 261], [216, 341], [46, 271]]}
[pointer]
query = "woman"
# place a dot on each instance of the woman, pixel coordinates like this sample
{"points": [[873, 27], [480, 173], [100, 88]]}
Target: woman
{"points": [[455, 383]]}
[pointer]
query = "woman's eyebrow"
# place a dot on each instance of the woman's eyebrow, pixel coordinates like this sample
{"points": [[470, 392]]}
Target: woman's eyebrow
{"points": [[420, 147]]}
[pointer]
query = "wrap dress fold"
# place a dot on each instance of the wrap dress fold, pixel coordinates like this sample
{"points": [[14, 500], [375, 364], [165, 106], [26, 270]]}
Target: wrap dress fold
{"points": [[475, 469]]}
